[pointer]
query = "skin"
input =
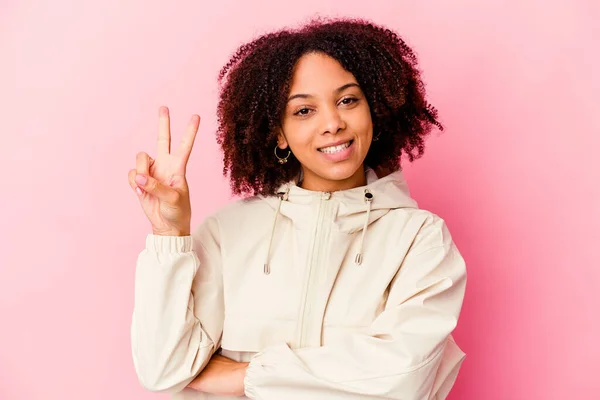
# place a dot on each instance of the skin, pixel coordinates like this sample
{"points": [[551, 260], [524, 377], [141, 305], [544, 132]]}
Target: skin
{"points": [[222, 376], [326, 105], [160, 183]]}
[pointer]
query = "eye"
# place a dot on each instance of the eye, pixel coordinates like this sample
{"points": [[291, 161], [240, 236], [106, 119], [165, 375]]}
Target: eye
{"points": [[348, 100], [303, 111]]}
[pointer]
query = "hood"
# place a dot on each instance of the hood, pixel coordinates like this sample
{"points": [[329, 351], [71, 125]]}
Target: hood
{"points": [[354, 209]]}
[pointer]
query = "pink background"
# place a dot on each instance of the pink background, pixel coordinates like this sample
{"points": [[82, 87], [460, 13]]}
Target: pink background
{"points": [[516, 175]]}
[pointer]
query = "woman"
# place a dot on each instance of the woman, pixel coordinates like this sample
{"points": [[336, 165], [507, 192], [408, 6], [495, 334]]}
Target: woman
{"points": [[326, 281]]}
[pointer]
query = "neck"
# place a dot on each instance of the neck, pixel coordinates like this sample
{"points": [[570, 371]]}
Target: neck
{"points": [[316, 183]]}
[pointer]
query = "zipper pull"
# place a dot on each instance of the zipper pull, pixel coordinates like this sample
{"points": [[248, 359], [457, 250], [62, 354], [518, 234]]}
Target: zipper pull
{"points": [[326, 195]]}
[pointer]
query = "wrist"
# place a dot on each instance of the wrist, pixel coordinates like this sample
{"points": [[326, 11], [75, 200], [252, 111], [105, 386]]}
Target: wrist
{"points": [[243, 366], [171, 233]]}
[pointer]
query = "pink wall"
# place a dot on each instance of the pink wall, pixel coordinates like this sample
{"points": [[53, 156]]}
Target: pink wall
{"points": [[516, 175]]}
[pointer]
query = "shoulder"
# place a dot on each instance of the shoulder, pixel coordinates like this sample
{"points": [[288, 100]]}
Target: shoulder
{"points": [[244, 209], [427, 229], [238, 215], [430, 247]]}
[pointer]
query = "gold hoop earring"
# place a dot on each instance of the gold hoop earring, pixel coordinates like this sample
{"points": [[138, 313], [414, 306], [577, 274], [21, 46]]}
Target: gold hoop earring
{"points": [[284, 159]]}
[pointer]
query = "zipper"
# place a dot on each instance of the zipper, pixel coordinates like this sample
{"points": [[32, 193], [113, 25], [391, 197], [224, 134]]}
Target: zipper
{"points": [[314, 260]]}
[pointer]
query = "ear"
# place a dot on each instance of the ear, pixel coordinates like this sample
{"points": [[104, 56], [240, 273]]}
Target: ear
{"points": [[282, 142]]}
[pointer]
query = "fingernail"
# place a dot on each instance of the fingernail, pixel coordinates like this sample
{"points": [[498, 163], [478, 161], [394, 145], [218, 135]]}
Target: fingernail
{"points": [[141, 180], [138, 191]]}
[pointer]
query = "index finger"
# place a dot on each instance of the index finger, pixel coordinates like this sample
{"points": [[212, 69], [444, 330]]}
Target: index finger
{"points": [[185, 148], [164, 131]]}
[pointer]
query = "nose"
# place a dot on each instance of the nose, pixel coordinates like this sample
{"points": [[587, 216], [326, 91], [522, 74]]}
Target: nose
{"points": [[332, 121]]}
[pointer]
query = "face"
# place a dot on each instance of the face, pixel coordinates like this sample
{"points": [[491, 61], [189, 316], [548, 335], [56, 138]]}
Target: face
{"points": [[326, 124]]}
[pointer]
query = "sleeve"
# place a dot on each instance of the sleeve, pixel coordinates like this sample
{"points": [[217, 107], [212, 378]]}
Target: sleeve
{"points": [[408, 352], [178, 312]]}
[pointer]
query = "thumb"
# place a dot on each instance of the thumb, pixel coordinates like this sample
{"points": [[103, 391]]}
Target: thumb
{"points": [[155, 188]]}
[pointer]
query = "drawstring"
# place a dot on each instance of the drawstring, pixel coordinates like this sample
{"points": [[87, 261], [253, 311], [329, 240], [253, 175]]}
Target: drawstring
{"points": [[282, 196], [368, 200]]}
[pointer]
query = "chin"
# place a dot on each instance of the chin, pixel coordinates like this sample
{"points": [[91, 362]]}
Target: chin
{"points": [[340, 172]]}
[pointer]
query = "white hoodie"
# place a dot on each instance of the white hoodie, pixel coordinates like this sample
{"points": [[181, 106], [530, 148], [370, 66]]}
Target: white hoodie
{"points": [[327, 295]]}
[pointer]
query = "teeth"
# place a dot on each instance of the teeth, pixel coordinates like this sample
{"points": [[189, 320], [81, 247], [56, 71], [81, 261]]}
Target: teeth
{"points": [[335, 149]]}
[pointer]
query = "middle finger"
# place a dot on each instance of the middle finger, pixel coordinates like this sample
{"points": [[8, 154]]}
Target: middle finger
{"points": [[164, 131]]}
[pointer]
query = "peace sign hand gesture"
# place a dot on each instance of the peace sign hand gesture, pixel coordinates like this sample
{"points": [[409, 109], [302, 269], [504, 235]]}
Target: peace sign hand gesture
{"points": [[160, 183]]}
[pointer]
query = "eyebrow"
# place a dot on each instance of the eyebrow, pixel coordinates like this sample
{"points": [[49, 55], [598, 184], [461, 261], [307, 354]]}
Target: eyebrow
{"points": [[338, 90]]}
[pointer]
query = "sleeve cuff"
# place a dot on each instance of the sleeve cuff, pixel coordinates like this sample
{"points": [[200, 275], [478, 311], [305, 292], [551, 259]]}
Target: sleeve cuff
{"points": [[251, 369], [169, 244], [260, 369]]}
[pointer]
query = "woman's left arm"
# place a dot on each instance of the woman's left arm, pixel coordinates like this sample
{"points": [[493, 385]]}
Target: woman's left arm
{"points": [[408, 353]]}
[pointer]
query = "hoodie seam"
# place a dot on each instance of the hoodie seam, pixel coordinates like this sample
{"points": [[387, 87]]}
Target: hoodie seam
{"points": [[441, 246]]}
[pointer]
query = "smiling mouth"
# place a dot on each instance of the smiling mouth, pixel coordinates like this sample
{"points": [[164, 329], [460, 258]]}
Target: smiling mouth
{"points": [[336, 149]]}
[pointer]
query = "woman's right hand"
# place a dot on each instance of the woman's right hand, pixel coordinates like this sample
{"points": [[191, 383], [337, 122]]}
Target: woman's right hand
{"points": [[160, 183]]}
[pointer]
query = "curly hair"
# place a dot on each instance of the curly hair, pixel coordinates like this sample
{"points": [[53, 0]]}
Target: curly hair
{"points": [[255, 84]]}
